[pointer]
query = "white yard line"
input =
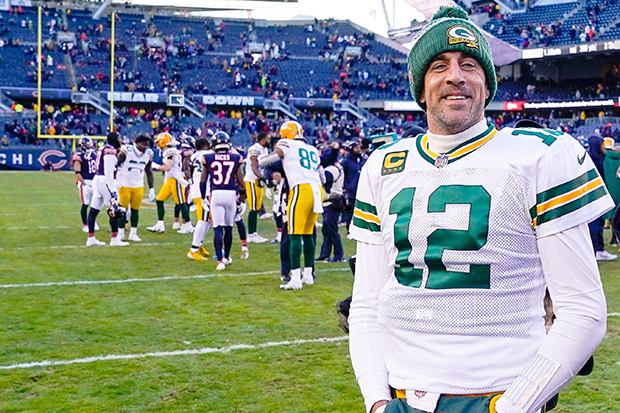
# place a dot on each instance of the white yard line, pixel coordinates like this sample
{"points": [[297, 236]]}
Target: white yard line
{"points": [[206, 350], [63, 247], [42, 227], [613, 314], [153, 279]]}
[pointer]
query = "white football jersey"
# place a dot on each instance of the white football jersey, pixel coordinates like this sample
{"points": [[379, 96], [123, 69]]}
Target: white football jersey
{"points": [[301, 162], [255, 150], [196, 165], [131, 171], [176, 171], [463, 312]]}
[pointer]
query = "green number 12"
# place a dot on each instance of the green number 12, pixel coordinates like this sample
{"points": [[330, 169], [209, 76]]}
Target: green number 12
{"points": [[442, 239]]}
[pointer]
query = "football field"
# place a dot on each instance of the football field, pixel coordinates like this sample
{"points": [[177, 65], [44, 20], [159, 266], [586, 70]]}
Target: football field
{"points": [[143, 328]]}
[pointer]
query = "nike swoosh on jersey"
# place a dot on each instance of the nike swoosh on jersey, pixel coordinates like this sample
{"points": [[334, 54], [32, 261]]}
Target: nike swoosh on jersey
{"points": [[582, 159]]}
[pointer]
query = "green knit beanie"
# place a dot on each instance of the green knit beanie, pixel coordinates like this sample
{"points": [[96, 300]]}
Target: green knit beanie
{"points": [[450, 30]]}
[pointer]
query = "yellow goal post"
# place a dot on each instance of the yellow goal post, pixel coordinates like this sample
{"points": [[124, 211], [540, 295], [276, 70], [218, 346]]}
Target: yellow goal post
{"points": [[74, 138]]}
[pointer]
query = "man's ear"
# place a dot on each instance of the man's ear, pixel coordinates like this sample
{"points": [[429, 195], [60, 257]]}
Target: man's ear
{"points": [[422, 99], [488, 93]]}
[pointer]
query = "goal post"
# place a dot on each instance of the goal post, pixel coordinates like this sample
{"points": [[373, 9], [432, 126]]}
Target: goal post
{"points": [[74, 138]]}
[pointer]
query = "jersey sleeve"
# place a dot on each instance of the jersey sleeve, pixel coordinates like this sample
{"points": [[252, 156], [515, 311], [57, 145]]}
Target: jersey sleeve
{"points": [[284, 146], [366, 225], [569, 189], [253, 151]]}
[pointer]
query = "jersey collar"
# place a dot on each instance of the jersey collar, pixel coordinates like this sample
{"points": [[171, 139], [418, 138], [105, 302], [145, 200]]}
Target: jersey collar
{"points": [[467, 147]]}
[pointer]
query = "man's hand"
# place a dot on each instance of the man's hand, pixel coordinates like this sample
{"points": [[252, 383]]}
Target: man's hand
{"points": [[151, 194], [261, 182], [155, 166], [379, 407]]}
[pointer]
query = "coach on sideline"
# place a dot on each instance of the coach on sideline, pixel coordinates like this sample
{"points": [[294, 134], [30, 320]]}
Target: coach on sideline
{"points": [[459, 232]]}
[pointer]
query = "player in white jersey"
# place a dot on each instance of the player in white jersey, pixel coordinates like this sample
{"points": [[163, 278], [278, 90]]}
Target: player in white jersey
{"points": [[197, 250], [301, 166], [174, 185], [134, 162], [460, 231], [254, 184]]}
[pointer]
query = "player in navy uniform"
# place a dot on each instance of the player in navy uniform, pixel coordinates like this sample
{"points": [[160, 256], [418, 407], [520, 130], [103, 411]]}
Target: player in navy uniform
{"points": [[85, 167], [225, 180], [106, 192]]}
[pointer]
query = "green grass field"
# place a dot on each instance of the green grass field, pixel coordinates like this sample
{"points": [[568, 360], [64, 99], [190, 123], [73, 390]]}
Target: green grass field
{"points": [[177, 335]]}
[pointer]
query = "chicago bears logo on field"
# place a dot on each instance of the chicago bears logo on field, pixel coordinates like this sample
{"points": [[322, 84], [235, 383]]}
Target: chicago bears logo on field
{"points": [[53, 153], [461, 34]]}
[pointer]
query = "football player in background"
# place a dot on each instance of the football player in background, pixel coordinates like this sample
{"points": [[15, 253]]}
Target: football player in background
{"points": [[222, 170], [85, 167], [105, 192], [173, 186], [188, 144], [459, 233], [197, 251], [134, 162], [255, 184], [301, 166]]}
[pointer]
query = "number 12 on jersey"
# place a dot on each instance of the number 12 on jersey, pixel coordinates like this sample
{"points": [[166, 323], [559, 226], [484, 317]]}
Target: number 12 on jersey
{"points": [[443, 239]]}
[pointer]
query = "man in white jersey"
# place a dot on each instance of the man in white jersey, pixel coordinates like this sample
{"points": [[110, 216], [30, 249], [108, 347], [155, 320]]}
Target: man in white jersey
{"points": [[134, 162], [174, 185], [255, 184], [301, 166], [197, 251], [459, 232]]}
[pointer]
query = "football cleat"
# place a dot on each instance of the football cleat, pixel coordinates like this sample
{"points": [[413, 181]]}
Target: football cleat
{"points": [[159, 227], [116, 242], [94, 242], [342, 317], [257, 239], [176, 225], [186, 228], [96, 227], [605, 256], [203, 250], [196, 256], [292, 285], [121, 234], [307, 279], [245, 253], [134, 237], [227, 261], [220, 266], [85, 228]]}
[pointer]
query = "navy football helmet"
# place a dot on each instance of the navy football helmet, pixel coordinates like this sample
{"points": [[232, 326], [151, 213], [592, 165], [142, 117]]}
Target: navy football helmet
{"points": [[221, 142], [115, 209], [85, 143]]}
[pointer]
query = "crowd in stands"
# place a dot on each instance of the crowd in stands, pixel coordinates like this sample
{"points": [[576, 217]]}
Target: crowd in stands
{"points": [[555, 24]]}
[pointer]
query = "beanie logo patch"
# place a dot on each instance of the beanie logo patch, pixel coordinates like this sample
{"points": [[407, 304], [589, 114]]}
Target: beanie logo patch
{"points": [[461, 34]]}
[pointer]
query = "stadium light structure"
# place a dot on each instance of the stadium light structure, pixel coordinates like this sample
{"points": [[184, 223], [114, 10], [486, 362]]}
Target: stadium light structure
{"points": [[101, 9], [39, 78]]}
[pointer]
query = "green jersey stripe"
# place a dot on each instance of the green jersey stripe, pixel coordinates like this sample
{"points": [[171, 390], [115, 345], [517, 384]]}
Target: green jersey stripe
{"points": [[572, 206], [362, 206], [370, 226], [567, 186]]}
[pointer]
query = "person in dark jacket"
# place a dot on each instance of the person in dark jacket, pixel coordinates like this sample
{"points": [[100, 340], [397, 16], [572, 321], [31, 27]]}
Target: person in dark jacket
{"points": [[332, 178], [351, 166], [596, 150]]}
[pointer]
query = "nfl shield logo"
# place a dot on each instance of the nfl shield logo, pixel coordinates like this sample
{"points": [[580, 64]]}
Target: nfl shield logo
{"points": [[441, 161], [419, 394]]}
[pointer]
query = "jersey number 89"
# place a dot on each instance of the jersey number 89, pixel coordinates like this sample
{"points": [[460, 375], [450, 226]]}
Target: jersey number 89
{"points": [[308, 160]]}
